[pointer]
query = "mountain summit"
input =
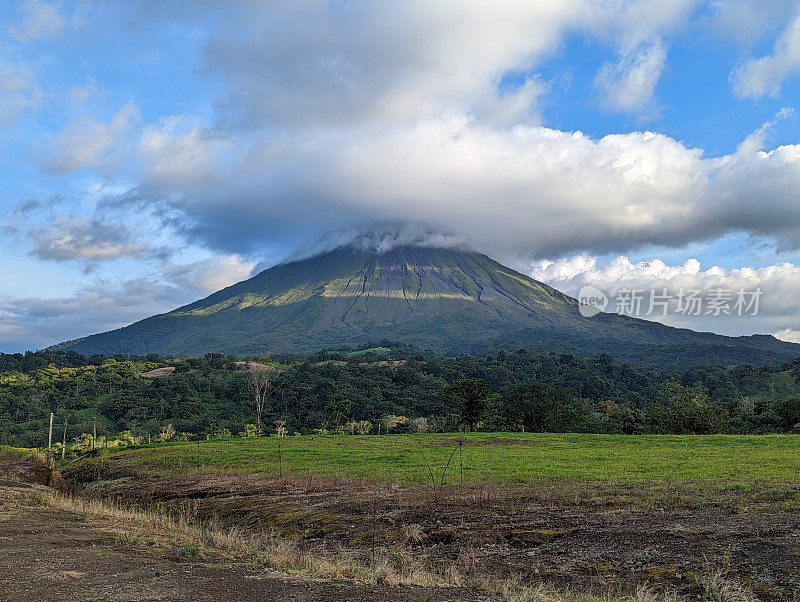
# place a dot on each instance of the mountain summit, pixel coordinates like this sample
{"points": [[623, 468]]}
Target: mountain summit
{"points": [[449, 300]]}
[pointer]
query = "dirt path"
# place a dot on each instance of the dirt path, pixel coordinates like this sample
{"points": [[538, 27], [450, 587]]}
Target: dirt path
{"points": [[54, 555]]}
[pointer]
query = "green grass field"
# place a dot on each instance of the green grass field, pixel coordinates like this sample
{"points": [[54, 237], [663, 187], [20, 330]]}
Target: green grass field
{"points": [[505, 458]]}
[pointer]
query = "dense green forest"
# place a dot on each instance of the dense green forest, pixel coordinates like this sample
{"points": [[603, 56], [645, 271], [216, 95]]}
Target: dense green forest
{"points": [[395, 387]]}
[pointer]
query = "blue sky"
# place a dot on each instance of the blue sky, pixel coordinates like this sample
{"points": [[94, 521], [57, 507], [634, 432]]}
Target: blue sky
{"points": [[154, 152]]}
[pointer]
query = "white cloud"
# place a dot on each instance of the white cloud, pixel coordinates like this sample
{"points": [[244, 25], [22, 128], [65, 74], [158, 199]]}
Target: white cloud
{"points": [[80, 94], [747, 21], [209, 275], [638, 30], [629, 85], [787, 334], [779, 303], [313, 62], [526, 188], [39, 322], [180, 152], [345, 117], [345, 114], [67, 239], [19, 91], [40, 21], [631, 24], [90, 144], [515, 107], [763, 76]]}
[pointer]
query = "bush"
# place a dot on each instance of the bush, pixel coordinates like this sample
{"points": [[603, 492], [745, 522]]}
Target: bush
{"points": [[219, 433], [167, 432], [249, 431]]}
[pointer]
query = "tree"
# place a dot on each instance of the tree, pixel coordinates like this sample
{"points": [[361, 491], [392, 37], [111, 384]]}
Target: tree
{"points": [[166, 433], [689, 410], [126, 438], [392, 421], [471, 396], [788, 411], [259, 382], [219, 432], [543, 408], [622, 418], [338, 411], [249, 431], [83, 442]]}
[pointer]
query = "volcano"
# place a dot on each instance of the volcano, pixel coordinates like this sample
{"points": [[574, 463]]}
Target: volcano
{"points": [[449, 300]]}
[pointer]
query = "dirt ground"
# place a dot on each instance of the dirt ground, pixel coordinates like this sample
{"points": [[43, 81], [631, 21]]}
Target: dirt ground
{"points": [[584, 540], [47, 554]]}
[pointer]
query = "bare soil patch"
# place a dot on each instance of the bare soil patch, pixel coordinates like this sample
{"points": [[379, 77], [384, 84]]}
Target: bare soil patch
{"points": [[158, 372], [256, 367], [394, 364]]}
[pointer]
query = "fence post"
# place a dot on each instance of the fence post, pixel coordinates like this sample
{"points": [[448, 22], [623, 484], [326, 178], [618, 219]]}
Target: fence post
{"points": [[94, 433], [50, 435], [461, 460], [64, 441], [280, 460]]}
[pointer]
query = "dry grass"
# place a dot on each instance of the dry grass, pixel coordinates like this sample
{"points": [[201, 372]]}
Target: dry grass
{"points": [[398, 565], [719, 589], [413, 533], [136, 524]]}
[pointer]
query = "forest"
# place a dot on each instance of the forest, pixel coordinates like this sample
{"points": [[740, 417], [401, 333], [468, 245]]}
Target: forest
{"points": [[391, 388]]}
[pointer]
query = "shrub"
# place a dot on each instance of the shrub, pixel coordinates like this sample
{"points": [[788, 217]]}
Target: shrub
{"points": [[219, 433], [167, 432], [249, 431]]}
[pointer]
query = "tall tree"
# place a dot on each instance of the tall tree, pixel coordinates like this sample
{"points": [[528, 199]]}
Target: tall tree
{"points": [[689, 410], [472, 396], [543, 407], [259, 383], [338, 411]]}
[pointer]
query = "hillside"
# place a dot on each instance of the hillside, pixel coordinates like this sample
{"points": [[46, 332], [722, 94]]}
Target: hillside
{"points": [[452, 301]]}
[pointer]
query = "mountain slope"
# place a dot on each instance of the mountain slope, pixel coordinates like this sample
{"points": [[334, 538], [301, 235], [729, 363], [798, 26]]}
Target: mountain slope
{"points": [[448, 300]]}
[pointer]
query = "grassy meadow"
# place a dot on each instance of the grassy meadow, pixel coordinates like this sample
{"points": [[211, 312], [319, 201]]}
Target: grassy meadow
{"points": [[506, 458]]}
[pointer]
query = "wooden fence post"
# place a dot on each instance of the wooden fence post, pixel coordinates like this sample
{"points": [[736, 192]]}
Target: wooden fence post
{"points": [[64, 441], [50, 435]]}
